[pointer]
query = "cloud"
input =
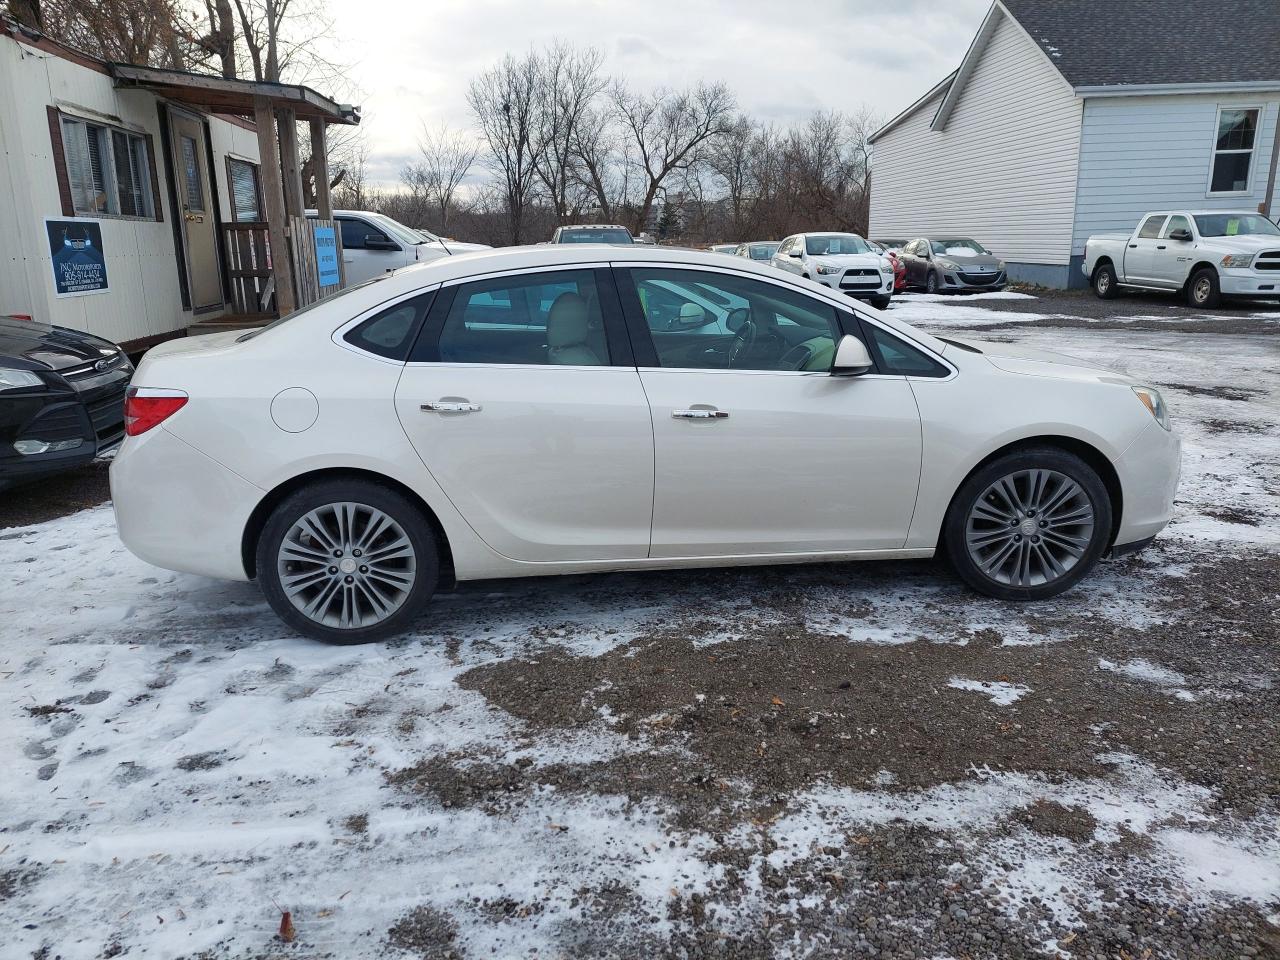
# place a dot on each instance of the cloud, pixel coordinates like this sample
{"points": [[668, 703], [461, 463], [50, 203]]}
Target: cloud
{"points": [[413, 62]]}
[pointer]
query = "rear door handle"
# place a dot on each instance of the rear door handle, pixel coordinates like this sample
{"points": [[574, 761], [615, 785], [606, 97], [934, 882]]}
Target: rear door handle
{"points": [[451, 406], [1161, 246], [1133, 246], [700, 413]]}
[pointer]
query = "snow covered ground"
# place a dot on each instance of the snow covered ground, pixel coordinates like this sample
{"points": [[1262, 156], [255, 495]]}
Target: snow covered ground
{"points": [[808, 762]]}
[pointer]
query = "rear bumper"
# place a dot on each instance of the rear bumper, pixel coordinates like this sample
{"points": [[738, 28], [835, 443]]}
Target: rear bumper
{"points": [[179, 509], [1149, 472]]}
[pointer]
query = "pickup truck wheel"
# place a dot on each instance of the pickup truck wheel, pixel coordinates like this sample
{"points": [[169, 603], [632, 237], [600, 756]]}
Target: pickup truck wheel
{"points": [[1202, 289], [1104, 282]]}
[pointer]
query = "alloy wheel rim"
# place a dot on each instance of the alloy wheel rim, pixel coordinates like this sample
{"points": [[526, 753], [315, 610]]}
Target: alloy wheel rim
{"points": [[347, 565], [1029, 528]]}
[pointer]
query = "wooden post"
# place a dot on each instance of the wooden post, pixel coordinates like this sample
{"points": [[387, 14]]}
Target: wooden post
{"points": [[320, 164], [273, 199], [290, 166]]}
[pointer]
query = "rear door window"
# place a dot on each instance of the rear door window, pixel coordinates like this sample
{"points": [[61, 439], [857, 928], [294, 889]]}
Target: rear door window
{"points": [[1151, 228]]}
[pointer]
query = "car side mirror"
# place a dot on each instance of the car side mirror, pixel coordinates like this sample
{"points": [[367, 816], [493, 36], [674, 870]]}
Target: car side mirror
{"points": [[1182, 234], [374, 242], [852, 358], [794, 253]]}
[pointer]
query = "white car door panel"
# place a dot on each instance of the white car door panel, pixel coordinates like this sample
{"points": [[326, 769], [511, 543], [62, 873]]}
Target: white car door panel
{"points": [[550, 457], [784, 463], [1140, 255], [758, 450]]}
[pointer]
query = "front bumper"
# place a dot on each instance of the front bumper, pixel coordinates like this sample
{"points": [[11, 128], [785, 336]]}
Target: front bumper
{"points": [[859, 286], [1149, 472], [178, 508], [1248, 283], [965, 282]]}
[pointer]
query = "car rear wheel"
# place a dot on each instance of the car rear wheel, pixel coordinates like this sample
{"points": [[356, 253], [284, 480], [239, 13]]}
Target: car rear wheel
{"points": [[1028, 525], [347, 561], [1202, 289], [1104, 282]]}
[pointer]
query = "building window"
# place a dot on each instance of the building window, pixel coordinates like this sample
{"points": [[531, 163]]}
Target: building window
{"points": [[246, 197], [1233, 150], [109, 170]]}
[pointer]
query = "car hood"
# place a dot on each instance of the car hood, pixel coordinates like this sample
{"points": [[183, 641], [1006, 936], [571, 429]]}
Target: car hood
{"points": [[457, 246], [968, 263], [1249, 243], [40, 346], [846, 260], [1012, 358]]}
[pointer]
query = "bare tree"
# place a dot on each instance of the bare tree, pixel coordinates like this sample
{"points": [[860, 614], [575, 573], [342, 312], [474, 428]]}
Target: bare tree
{"points": [[669, 131], [447, 156], [731, 158], [145, 32], [504, 100], [569, 82]]}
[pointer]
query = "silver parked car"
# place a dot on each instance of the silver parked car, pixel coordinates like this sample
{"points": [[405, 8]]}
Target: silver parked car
{"points": [[762, 250], [952, 264]]}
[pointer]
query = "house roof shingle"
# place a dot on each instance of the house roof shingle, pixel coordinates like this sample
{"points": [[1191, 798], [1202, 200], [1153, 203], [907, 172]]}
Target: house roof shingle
{"points": [[1112, 42]]}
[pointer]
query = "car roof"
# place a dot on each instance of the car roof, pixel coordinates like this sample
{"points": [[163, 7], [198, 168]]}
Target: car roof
{"points": [[592, 226]]}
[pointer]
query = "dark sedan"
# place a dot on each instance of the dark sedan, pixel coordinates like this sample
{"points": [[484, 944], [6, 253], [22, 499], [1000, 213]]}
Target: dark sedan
{"points": [[61, 398], [952, 264]]}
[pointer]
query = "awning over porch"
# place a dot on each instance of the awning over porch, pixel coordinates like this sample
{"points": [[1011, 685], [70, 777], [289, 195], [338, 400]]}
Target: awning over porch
{"points": [[289, 264]]}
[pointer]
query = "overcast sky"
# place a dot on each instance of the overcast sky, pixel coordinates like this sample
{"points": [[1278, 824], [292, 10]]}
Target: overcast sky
{"points": [[412, 62]]}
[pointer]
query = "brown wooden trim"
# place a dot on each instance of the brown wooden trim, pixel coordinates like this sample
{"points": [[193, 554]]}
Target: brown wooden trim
{"points": [[157, 203], [232, 119], [60, 162], [141, 344]]}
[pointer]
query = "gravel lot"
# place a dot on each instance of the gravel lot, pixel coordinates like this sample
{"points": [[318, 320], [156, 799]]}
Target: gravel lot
{"points": [[821, 761]]}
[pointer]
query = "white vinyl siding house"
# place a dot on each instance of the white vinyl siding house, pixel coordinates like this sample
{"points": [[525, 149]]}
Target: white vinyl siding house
{"points": [[1155, 153], [1001, 170], [1053, 129]]}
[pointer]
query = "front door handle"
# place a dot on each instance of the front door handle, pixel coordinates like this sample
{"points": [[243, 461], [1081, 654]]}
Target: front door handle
{"points": [[700, 413], [451, 406], [1161, 247]]}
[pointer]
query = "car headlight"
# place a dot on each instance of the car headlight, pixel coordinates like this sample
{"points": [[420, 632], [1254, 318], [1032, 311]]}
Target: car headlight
{"points": [[11, 379], [1000, 265], [886, 266], [1237, 260], [827, 270], [948, 265], [1152, 400]]}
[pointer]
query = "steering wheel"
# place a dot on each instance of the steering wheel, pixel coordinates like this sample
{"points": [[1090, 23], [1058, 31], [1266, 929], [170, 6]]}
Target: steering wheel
{"points": [[744, 341]]}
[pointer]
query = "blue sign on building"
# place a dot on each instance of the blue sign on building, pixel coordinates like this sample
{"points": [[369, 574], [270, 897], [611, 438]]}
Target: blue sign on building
{"points": [[327, 256]]}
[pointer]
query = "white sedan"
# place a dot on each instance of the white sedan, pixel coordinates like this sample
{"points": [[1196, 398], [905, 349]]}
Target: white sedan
{"points": [[567, 409]]}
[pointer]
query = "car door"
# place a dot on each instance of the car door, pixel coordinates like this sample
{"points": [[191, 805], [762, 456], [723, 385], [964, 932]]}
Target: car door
{"points": [[1172, 259], [784, 259], [758, 450], [915, 259], [367, 251], [523, 402], [1140, 255]]}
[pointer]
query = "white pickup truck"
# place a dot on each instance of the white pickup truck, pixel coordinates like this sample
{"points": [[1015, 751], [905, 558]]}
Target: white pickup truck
{"points": [[1203, 254]]}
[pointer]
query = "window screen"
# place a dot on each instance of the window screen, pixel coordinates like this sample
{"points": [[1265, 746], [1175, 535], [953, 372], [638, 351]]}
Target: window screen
{"points": [[244, 190], [108, 170]]}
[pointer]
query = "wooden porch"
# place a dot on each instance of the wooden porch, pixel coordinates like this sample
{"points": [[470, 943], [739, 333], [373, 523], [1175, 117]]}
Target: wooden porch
{"points": [[261, 284]]}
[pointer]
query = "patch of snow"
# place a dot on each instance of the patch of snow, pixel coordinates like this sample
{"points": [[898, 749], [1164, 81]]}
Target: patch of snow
{"points": [[998, 692]]}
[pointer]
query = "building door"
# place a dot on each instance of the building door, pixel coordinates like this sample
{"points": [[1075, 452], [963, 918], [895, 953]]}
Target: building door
{"points": [[191, 183]]}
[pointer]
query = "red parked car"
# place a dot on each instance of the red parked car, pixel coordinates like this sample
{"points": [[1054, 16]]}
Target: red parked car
{"points": [[899, 268]]}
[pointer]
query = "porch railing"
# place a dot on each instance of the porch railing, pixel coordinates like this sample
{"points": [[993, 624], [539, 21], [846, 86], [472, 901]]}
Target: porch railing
{"points": [[248, 254]]}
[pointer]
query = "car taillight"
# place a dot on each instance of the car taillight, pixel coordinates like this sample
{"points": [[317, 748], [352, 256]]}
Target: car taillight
{"points": [[144, 407]]}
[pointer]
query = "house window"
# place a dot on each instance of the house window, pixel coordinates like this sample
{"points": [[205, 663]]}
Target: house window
{"points": [[1233, 150], [245, 195], [108, 170]]}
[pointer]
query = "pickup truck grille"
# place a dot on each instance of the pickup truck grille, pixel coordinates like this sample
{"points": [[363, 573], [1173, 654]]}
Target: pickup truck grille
{"points": [[1268, 260]]}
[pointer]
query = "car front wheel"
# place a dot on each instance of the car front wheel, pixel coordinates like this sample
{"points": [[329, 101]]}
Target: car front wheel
{"points": [[1202, 289], [1028, 525], [347, 561], [881, 303], [931, 283]]}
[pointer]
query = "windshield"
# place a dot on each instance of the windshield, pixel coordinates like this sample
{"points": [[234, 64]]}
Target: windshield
{"points": [[395, 228], [596, 235], [958, 247], [834, 244], [762, 251], [1235, 225]]}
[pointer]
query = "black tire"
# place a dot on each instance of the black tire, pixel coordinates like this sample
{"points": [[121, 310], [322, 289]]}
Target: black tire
{"points": [[426, 557], [1203, 292], [881, 303], [931, 283], [1036, 458], [1105, 285]]}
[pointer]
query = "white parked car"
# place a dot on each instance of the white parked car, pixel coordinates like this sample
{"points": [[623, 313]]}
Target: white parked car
{"points": [[569, 409], [1204, 254], [373, 243], [842, 261]]}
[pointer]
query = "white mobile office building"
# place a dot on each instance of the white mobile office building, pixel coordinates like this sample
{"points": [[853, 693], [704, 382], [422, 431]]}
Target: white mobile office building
{"points": [[121, 187], [1072, 117]]}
